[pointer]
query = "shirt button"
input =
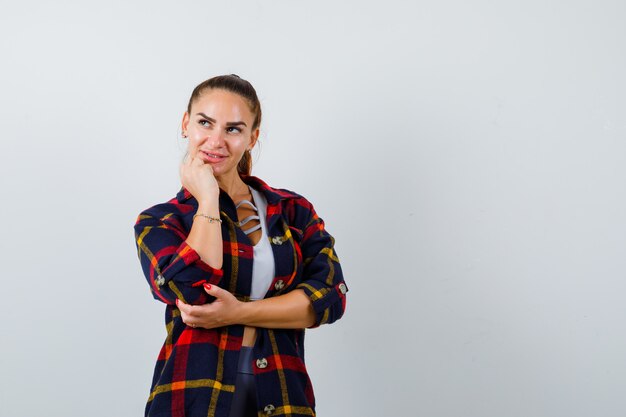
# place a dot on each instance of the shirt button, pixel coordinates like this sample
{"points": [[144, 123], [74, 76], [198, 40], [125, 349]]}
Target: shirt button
{"points": [[280, 284], [269, 409], [277, 240], [160, 280], [342, 288], [261, 363]]}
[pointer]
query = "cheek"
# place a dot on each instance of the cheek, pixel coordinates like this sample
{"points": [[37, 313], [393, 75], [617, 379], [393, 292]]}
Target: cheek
{"points": [[193, 144]]}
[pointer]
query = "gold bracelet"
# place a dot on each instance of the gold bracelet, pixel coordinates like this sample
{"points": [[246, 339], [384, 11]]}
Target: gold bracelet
{"points": [[209, 218]]}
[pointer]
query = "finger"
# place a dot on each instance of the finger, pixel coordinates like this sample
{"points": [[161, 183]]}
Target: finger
{"points": [[188, 320], [213, 290], [197, 161], [191, 323], [184, 308]]}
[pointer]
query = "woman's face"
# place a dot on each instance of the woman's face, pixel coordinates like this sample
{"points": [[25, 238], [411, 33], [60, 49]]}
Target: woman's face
{"points": [[219, 130]]}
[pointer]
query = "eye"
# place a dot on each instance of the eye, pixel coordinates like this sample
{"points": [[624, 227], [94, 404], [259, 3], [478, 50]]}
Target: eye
{"points": [[236, 129], [202, 121]]}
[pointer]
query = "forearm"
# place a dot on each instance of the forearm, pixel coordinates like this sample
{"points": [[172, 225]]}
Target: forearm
{"points": [[288, 311], [206, 237]]}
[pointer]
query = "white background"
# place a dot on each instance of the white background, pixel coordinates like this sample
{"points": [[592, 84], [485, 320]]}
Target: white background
{"points": [[468, 157]]}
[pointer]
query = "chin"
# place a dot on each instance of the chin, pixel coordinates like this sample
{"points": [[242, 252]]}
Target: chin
{"points": [[221, 171]]}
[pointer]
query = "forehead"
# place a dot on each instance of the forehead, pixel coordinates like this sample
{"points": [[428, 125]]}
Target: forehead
{"points": [[219, 103]]}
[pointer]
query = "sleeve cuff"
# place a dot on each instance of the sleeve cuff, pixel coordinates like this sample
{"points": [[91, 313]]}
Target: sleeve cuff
{"points": [[327, 301]]}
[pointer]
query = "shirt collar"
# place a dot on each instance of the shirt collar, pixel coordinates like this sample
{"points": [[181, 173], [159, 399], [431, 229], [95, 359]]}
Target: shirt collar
{"points": [[273, 195]]}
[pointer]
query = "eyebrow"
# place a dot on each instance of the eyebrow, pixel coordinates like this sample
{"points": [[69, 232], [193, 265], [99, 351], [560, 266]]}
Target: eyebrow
{"points": [[212, 120]]}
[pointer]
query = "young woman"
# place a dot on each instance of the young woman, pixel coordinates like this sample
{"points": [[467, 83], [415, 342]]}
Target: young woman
{"points": [[242, 267]]}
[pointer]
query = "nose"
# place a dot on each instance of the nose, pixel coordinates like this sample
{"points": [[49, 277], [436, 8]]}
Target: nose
{"points": [[216, 139]]}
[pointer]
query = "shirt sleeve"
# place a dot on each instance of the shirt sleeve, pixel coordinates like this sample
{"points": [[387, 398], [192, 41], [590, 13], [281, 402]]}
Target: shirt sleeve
{"points": [[322, 279], [172, 268]]}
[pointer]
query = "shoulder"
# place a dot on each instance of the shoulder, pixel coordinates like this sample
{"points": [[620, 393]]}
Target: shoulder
{"points": [[274, 195], [297, 208]]}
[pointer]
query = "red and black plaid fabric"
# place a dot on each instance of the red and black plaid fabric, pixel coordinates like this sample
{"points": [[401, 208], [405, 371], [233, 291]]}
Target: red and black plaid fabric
{"points": [[196, 368]]}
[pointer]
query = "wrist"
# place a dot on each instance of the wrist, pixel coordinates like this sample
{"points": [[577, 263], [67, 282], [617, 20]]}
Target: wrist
{"points": [[244, 312], [211, 208], [211, 219]]}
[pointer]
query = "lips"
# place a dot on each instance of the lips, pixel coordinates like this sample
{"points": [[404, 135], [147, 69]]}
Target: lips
{"points": [[212, 156]]}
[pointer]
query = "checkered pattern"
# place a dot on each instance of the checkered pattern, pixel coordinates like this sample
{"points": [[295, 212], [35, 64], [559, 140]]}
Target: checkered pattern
{"points": [[196, 368]]}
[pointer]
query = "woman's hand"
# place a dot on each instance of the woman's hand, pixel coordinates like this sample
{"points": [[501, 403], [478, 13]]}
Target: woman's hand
{"points": [[197, 177], [223, 311], [292, 310]]}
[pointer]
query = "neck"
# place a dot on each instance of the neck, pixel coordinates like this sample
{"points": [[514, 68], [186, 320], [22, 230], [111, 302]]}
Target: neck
{"points": [[232, 184]]}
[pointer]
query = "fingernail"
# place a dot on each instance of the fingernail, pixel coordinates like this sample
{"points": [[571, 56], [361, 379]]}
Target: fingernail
{"points": [[177, 301], [207, 286]]}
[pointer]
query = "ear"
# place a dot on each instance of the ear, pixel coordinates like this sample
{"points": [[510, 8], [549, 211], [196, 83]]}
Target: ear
{"points": [[253, 138], [185, 122]]}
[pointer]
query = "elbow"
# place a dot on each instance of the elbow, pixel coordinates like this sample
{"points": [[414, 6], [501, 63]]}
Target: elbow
{"points": [[328, 303], [215, 262]]}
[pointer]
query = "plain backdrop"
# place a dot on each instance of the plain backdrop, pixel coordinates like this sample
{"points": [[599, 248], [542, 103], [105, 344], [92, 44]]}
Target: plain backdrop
{"points": [[468, 157]]}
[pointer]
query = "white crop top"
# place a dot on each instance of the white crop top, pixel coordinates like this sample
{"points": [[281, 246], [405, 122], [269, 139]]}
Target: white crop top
{"points": [[263, 268]]}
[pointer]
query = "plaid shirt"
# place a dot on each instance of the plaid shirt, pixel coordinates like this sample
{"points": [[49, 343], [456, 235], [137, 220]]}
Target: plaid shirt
{"points": [[196, 368]]}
